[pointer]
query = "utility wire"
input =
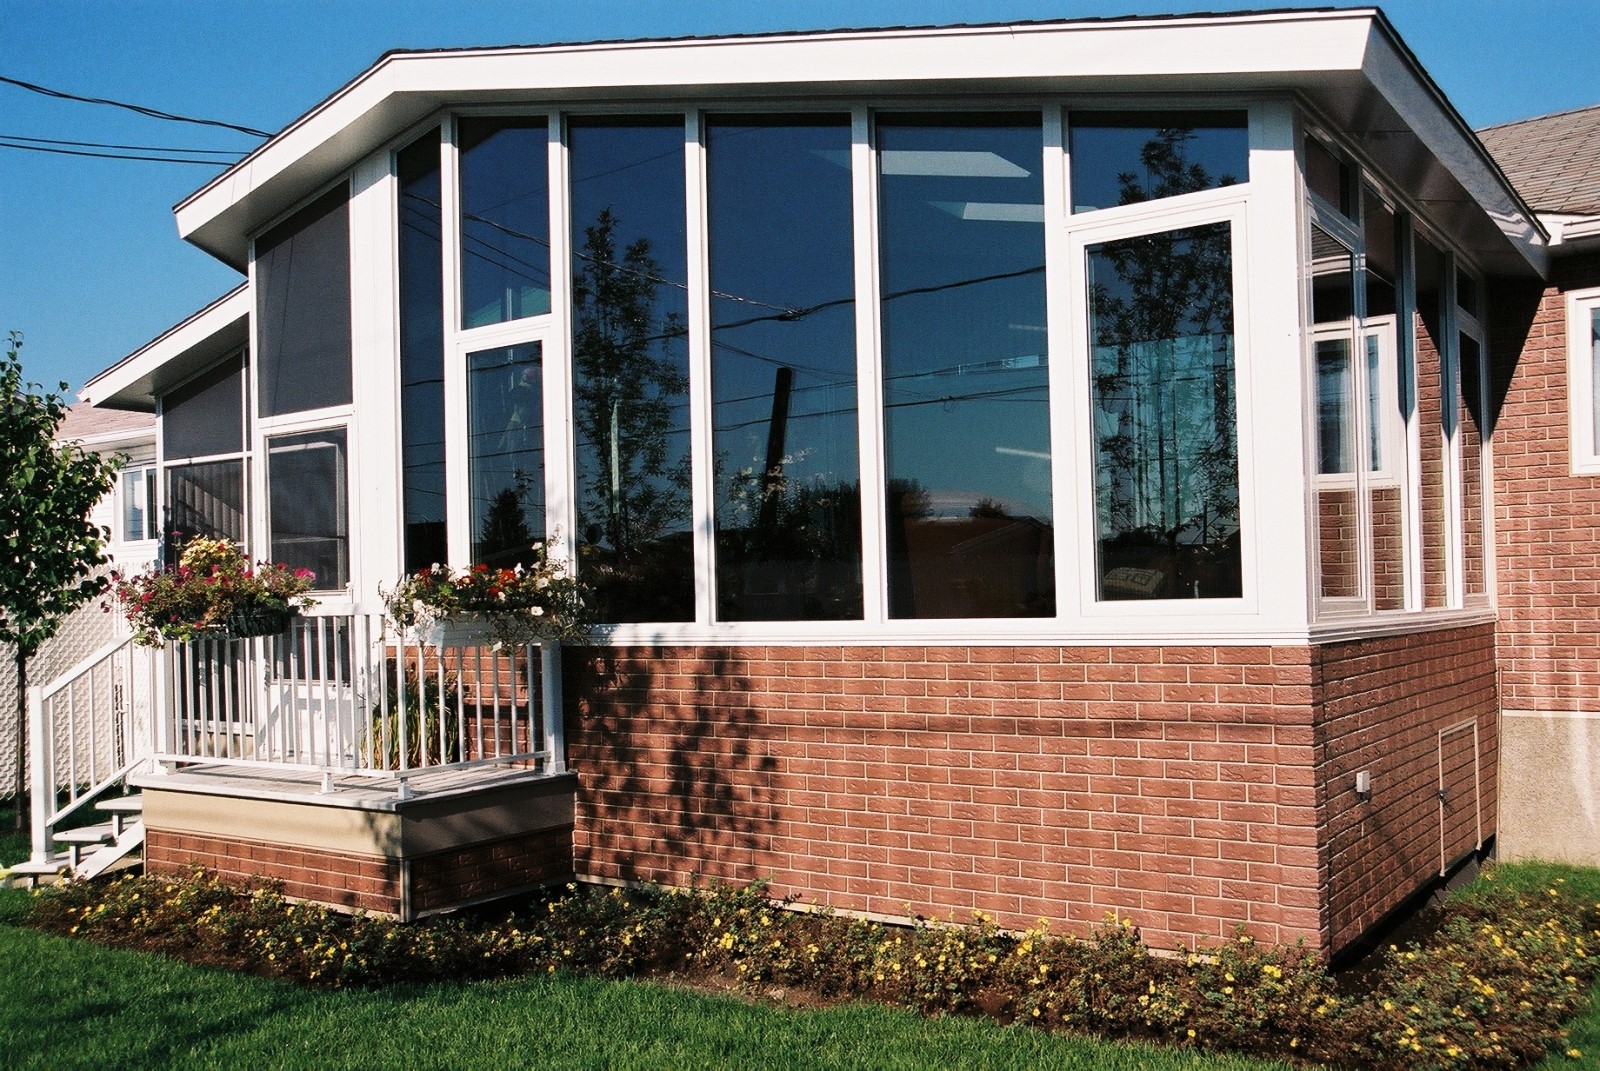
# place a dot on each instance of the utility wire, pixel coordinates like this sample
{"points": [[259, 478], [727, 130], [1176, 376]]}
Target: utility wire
{"points": [[108, 145], [114, 155], [153, 113]]}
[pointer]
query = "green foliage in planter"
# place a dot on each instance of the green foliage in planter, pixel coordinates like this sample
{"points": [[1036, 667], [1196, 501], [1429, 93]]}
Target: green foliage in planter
{"points": [[427, 716]]}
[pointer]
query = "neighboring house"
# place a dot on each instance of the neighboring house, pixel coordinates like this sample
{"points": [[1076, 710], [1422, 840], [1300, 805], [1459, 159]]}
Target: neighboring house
{"points": [[128, 516], [1547, 499], [1037, 468]]}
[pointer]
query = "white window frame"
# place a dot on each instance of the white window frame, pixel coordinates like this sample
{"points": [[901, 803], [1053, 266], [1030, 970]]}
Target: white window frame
{"points": [[149, 480], [1583, 404]]}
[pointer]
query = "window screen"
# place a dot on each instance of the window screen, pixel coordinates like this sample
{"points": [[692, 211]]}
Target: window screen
{"points": [[303, 308], [205, 416], [309, 504]]}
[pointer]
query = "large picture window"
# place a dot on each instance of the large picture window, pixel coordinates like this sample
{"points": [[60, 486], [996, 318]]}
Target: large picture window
{"points": [[788, 501], [630, 367], [1165, 439], [1123, 158], [966, 417]]}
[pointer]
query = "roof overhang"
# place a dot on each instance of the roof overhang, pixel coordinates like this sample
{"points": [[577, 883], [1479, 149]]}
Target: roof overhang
{"points": [[1348, 65], [216, 331]]}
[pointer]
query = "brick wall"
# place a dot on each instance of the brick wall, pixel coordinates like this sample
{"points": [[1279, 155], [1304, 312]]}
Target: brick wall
{"points": [[1547, 520], [1173, 785], [357, 882], [368, 882], [1384, 703]]}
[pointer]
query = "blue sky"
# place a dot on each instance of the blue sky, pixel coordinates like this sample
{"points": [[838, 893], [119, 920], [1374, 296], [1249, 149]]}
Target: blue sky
{"points": [[90, 263]]}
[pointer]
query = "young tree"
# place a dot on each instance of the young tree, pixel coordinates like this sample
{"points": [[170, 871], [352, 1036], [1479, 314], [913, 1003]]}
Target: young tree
{"points": [[50, 554]]}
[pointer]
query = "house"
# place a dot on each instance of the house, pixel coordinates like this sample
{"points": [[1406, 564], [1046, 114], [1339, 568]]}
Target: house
{"points": [[1041, 468], [127, 514]]}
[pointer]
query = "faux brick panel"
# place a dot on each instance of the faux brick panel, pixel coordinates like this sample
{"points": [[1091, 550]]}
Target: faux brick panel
{"points": [[1547, 521], [1383, 705], [355, 882], [1174, 785], [446, 879]]}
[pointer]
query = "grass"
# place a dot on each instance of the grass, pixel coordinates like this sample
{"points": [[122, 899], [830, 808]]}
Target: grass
{"points": [[66, 1004]]}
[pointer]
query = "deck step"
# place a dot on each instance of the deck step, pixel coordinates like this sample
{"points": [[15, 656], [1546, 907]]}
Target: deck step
{"points": [[103, 833], [122, 805]]}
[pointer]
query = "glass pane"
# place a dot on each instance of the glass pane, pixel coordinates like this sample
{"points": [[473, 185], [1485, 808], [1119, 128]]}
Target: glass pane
{"points": [[1122, 158], [1335, 407], [630, 367], [1375, 403], [1431, 411], [1328, 177], [505, 453], [505, 219], [1470, 429], [302, 286], [1466, 293], [205, 416], [1165, 437], [422, 353], [206, 499], [309, 504], [788, 507], [965, 378], [1332, 279], [1383, 254], [139, 505]]}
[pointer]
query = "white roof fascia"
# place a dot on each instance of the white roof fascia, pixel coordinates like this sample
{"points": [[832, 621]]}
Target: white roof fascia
{"points": [[1273, 50], [205, 336]]}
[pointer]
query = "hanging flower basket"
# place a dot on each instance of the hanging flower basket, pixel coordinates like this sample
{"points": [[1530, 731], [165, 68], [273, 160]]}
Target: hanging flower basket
{"points": [[215, 591], [259, 619]]}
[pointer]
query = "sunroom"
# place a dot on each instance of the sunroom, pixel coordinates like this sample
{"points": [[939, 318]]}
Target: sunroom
{"points": [[1041, 452]]}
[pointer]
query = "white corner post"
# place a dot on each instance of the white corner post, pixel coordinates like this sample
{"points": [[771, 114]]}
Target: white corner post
{"points": [[550, 700], [41, 786]]}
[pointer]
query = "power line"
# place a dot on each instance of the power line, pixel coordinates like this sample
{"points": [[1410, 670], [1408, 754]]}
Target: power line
{"points": [[113, 155], [108, 145], [153, 113]]}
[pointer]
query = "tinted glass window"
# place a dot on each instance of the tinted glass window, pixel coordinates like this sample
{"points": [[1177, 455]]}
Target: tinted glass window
{"points": [[505, 453], [966, 408], [205, 416], [309, 511], [303, 308], [1382, 255], [505, 219], [630, 367], [1121, 158], [1329, 177], [1165, 439], [421, 353], [788, 508]]}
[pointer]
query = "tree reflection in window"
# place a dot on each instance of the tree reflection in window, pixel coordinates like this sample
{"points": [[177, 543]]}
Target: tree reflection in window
{"points": [[1166, 452], [505, 453], [630, 368]]}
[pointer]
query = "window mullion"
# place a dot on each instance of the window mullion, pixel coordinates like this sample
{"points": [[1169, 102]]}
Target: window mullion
{"points": [[869, 366], [701, 436]]}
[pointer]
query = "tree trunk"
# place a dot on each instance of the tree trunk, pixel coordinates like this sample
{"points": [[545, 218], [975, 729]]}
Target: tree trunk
{"points": [[20, 815]]}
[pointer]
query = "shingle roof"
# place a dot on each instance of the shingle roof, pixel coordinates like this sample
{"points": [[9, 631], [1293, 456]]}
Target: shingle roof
{"points": [[84, 421], [1552, 160]]}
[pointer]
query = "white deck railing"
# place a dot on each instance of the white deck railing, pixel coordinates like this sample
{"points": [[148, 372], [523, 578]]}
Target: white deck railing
{"points": [[337, 695], [351, 694]]}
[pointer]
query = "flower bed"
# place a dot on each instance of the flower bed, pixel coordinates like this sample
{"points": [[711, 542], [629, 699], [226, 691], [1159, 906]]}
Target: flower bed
{"points": [[1489, 991]]}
